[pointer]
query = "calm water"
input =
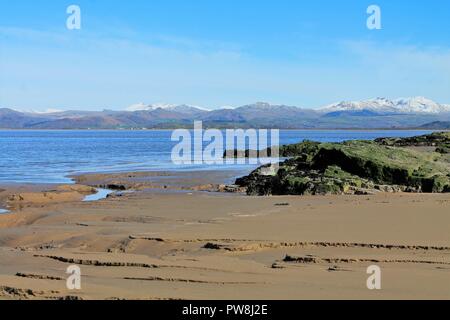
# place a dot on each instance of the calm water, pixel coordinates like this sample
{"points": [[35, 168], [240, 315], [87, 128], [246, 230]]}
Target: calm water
{"points": [[101, 194], [50, 156]]}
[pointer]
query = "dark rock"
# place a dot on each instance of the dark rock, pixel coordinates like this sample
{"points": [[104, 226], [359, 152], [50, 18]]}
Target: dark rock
{"points": [[212, 246]]}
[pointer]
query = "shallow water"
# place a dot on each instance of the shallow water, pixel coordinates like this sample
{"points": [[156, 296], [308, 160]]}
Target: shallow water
{"points": [[101, 194], [51, 156], [3, 211]]}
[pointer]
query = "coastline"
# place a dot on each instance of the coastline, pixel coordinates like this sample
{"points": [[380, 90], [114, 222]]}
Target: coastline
{"points": [[172, 240], [16, 196], [225, 128]]}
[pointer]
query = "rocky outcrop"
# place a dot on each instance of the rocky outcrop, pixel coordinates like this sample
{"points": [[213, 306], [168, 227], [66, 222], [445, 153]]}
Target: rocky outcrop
{"points": [[356, 167], [438, 140]]}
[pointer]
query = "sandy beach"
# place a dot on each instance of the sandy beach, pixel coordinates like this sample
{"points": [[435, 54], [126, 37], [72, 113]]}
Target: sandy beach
{"points": [[175, 237]]}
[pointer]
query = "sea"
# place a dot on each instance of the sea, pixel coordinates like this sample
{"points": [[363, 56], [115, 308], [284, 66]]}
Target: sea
{"points": [[53, 156]]}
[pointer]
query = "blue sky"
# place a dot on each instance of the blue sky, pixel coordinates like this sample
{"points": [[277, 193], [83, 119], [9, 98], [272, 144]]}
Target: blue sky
{"points": [[216, 53]]}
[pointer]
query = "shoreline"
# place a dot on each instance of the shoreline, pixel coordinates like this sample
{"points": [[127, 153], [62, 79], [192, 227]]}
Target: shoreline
{"points": [[15, 196], [284, 129]]}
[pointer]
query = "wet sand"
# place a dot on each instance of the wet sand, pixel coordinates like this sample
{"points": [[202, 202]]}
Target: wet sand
{"points": [[175, 238]]}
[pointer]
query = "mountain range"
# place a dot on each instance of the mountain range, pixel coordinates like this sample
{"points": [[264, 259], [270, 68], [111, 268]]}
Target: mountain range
{"points": [[419, 105], [415, 112]]}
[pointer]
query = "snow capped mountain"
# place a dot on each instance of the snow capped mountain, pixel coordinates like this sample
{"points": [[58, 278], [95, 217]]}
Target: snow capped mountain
{"points": [[259, 105], [32, 111], [378, 104], [373, 113], [420, 105], [183, 108], [413, 105], [382, 105], [139, 107], [265, 106]]}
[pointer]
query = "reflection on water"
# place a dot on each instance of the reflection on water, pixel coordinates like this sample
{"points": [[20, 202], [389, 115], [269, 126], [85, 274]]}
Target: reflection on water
{"points": [[101, 194], [2, 211]]}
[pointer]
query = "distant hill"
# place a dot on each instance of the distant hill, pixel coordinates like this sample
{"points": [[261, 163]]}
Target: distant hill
{"points": [[10, 119], [369, 114], [437, 125]]}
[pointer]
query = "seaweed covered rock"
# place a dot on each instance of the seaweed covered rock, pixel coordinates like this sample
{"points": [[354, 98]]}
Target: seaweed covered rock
{"points": [[353, 167], [439, 140], [306, 147]]}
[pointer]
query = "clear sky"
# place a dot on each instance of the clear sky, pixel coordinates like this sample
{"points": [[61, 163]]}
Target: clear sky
{"points": [[216, 53]]}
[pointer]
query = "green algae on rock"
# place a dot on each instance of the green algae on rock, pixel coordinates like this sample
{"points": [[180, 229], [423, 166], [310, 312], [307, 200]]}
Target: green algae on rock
{"points": [[356, 167]]}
